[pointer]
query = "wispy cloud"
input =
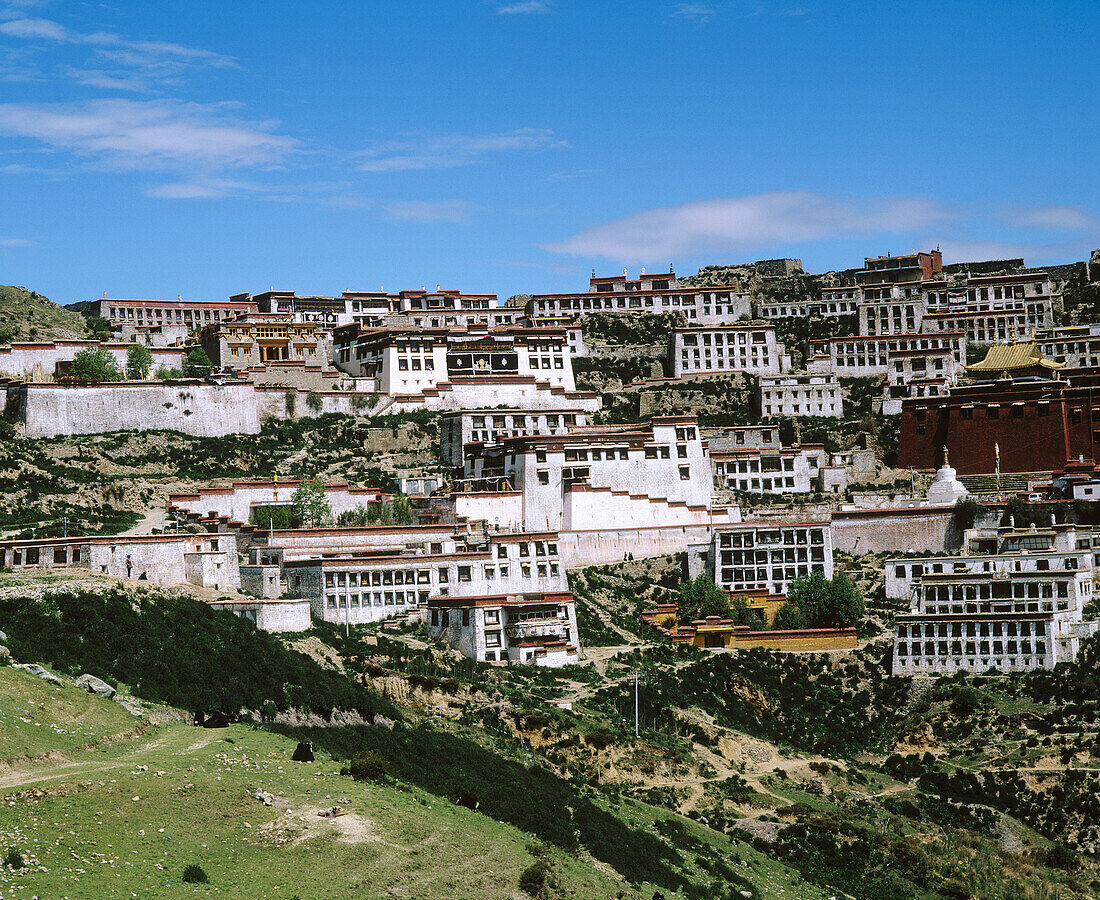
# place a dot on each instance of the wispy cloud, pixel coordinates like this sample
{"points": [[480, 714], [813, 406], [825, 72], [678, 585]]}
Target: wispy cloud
{"points": [[446, 151], [455, 211], [1057, 218], [696, 12], [576, 173], [751, 222], [149, 134], [525, 8], [114, 46], [17, 242]]}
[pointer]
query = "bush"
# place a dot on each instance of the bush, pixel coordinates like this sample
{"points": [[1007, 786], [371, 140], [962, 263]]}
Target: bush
{"points": [[197, 364], [95, 364], [14, 860], [314, 401], [532, 880], [178, 651], [139, 362], [369, 765], [194, 874]]}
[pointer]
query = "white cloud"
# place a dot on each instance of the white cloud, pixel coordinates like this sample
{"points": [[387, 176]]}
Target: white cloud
{"points": [[455, 211], [446, 151], [113, 46], [1057, 218], [17, 242], [752, 222], [697, 12], [149, 134], [525, 8]]}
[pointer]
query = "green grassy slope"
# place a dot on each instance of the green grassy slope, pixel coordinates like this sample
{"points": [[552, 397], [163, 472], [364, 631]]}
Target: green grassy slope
{"points": [[125, 818], [28, 316]]}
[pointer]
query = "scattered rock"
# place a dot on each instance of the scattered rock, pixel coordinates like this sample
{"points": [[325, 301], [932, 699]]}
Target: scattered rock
{"points": [[96, 686], [268, 799], [40, 672]]}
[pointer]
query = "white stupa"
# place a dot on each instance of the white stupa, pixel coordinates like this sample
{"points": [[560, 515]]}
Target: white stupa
{"points": [[946, 489]]}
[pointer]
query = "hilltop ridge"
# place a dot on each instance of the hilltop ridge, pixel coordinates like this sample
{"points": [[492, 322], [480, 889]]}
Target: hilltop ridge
{"points": [[29, 316]]}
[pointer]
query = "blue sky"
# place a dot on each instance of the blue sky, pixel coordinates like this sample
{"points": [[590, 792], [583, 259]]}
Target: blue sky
{"points": [[203, 149]]}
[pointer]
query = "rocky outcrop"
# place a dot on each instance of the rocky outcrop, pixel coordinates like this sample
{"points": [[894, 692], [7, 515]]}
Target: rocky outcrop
{"points": [[95, 686]]}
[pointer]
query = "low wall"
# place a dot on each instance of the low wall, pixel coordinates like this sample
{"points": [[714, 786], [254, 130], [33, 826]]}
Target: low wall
{"points": [[38, 361], [192, 407], [270, 615], [605, 546], [920, 529]]}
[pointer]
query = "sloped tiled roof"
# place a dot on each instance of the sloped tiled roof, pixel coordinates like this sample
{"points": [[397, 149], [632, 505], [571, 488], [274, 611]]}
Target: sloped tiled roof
{"points": [[1012, 356]]}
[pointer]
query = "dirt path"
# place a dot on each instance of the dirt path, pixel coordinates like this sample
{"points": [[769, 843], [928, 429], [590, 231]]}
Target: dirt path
{"points": [[177, 740]]}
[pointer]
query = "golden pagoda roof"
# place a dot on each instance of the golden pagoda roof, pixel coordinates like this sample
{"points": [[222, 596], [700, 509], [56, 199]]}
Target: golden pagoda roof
{"points": [[1013, 356]]}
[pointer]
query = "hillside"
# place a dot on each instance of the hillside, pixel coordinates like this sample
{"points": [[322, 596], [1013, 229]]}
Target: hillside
{"points": [[756, 774], [28, 316], [98, 803]]}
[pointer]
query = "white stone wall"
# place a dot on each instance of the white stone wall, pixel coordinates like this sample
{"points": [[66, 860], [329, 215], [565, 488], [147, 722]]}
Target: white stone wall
{"points": [[703, 306], [857, 357], [782, 471], [38, 361], [237, 500], [769, 555], [166, 559], [672, 465], [491, 426], [731, 348], [801, 395], [207, 410], [362, 590]]}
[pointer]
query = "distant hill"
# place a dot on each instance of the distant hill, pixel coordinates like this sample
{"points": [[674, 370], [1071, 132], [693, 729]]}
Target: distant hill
{"points": [[28, 316]]}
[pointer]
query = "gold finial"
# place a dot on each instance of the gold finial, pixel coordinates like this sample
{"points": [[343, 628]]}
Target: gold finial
{"points": [[945, 462]]}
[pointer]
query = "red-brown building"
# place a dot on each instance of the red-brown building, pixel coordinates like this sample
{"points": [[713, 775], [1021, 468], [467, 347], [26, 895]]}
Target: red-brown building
{"points": [[1038, 424]]}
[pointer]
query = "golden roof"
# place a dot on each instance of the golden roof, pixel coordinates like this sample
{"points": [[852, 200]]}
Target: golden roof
{"points": [[1013, 355]]}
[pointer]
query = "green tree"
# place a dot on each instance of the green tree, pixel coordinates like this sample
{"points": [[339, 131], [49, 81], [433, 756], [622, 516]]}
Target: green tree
{"points": [[789, 617], [701, 598], [742, 614], [310, 503], [402, 511], [163, 373], [819, 602], [197, 364], [95, 364], [139, 362]]}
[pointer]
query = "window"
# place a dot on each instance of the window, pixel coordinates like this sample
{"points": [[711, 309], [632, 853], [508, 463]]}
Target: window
{"points": [[543, 476], [463, 573], [685, 473]]}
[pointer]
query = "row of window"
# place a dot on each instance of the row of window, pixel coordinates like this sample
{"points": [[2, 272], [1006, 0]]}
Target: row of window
{"points": [[787, 537]]}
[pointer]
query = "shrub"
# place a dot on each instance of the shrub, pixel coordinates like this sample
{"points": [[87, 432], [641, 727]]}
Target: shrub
{"points": [[194, 874], [311, 504], [14, 860], [314, 401], [95, 364], [369, 765], [197, 364], [139, 362], [532, 880]]}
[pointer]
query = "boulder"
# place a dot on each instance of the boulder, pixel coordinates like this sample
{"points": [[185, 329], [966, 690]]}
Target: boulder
{"points": [[5, 655], [39, 672], [3, 638], [95, 685]]}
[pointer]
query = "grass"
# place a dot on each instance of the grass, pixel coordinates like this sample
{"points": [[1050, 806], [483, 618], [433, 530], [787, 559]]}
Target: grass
{"points": [[127, 818], [37, 717]]}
